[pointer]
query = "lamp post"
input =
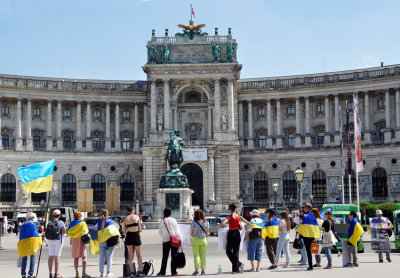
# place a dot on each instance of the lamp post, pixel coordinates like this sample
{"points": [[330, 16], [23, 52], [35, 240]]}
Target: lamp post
{"points": [[275, 188], [299, 175], [339, 188]]}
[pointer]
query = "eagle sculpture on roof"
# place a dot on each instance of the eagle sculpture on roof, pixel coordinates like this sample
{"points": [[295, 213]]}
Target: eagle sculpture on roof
{"points": [[191, 29]]}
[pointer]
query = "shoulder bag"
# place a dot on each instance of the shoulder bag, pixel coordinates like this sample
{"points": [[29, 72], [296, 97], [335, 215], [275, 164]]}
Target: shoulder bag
{"points": [[201, 227], [327, 238], [175, 241]]}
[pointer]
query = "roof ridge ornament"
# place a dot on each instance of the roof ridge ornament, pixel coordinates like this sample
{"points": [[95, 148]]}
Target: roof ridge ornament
{"points": [[191, 30]]}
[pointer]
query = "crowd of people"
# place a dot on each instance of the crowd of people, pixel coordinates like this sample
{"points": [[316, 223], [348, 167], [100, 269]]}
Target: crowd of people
{"points": [[311, 229]]}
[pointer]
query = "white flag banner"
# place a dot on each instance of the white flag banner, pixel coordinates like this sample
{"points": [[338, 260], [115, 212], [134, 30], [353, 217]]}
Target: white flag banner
{"points": [[222, 238], [185, 231], [357, 137]]}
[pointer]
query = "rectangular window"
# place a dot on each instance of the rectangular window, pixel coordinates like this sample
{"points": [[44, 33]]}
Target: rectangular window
{"points": [[67, 113], [291, 138], [96, 114], [290, 110], [381, 103], [262, 141], [4, 110], [193, 137], [320, 138], [36, 112], [67, 142], [6, 141], [261, 112], [350, 105], [36, 142], [97, 143], [126, 143], [320, 108], [126, 114]]}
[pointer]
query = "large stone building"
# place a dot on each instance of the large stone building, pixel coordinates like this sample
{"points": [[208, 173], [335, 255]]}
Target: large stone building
{"points": [[241, 135]]}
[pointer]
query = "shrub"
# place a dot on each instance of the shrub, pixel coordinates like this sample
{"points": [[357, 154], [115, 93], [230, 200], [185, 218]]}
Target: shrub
{"points": [[369, 208], [388, 208]]}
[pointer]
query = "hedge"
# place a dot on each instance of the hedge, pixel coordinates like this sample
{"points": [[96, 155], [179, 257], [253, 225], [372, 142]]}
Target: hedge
{"points": [[387, 208]]}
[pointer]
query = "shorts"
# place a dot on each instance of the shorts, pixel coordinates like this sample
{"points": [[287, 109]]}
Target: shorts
{"points": [[133, 238], [254, 249], [55, 247]]}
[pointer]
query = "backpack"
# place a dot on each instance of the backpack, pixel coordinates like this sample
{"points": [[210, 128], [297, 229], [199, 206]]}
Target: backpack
{"points": [[146, 268], [52, 230], [255, 233], [112, 241]]}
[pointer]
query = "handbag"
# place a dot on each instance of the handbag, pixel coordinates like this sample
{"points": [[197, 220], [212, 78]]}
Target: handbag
{"points": [[181, 259], [146, 268], [316, 248], [85, 239], [175, 241], [298, 243], [328, 237]]}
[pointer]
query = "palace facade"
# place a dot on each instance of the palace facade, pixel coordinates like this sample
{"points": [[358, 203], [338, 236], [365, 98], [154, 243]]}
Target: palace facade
{"points": [[241, 135]]}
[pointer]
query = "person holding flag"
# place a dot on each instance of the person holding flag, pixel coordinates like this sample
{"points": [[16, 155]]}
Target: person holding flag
{"points": [[255, 234], [381, 222], [271, 239], [353, 236], [28, 245], [309, 230], [76, 230]]}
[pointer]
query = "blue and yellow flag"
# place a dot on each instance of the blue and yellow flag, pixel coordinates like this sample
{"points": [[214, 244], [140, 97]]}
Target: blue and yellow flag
{"points": [[272, 229], [77, 229], [259, 225], [37, 178], [103, 235], [29, 240], [355, 232], [309, 226]]}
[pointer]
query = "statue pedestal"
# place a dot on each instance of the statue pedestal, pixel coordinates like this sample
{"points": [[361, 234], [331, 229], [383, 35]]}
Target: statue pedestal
{"points": [[178, 199]]}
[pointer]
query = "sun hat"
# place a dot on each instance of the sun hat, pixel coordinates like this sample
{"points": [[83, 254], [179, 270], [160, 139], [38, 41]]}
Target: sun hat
{"points": [[255, 212], [30, 215], [56, 212], [379, 211]]}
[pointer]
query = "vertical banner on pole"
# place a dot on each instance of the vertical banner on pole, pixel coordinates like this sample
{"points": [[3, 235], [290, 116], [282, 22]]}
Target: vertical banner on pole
{"points": [[342, 167], [357, 146], [85, 200], [348, 150], [113, 198]]}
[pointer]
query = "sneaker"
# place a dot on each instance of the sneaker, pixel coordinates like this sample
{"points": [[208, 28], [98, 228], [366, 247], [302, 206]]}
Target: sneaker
{"points": [[101, 274], [272, 267], [327, 267], [381, 261], [203, 272], [355, 264], [286, 265], [316, 265], [309, 269], [196, 273], [109, 274], [389, 260], [140, 274], [348, 265]]}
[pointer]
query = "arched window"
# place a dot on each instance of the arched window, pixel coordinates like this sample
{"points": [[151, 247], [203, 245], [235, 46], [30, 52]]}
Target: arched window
{"points": [[319, 184], [98, 183], [353, 184], [68, 185], [260, 186], [289, 186], [127, 183], [379, 183], [37, 197], [8, 186], [193, 97]]}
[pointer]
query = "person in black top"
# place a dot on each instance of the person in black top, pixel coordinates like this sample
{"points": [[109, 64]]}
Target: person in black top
{"points": [[328, 240]]}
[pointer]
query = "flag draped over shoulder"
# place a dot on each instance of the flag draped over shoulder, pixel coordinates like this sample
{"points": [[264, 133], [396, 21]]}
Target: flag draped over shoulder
{"points": [[355, 232], [103, 235], [357, 137], [29, 240], [77, 229], [272, 229], [259, 225], [37, 178], [309, 226]]}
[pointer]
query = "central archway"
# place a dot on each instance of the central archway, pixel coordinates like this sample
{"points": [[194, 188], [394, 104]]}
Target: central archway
{"points": [[195, 177]]}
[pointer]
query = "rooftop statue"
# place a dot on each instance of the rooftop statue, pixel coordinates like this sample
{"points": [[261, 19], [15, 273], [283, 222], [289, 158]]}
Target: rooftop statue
{"points": [[216, 49], [191, 30], [153, 51], [230, 48]]}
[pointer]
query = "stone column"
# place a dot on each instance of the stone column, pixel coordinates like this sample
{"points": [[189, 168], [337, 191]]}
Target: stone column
{"points": [[209, 124], [308, 134], [367, 131], [153, 106], [211, 180], [108, 118], [18, 142], [49, 136], [1, 138], [167, 119], [250, 141], [145, 121], [337, 122], [175, 118], [29, 139], [117, 123], [269, 124], [183, 119], [388, 130], [89, 146], [397, 114], [327, 137], [278, 124], [217, 105], [231, 106], [298, 124], [78, 126], [136, 128], [240, 121], [58, 135]]}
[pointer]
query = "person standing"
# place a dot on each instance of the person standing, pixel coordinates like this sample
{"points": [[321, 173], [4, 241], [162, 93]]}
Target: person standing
{"points": [[254, 235], [55, 232], [76, 229], [328, 226], [353, 236], [28, 245], [199, 229], [283, 241], [383, 223], [309, 230], [169, 227], [233, 238], [315, 211], [271, 239], [132, 231]]}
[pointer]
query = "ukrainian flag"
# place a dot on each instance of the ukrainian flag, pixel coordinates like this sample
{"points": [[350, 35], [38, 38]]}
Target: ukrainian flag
{"points": [[355, 232], [29, 240], [103, 235], [77, 229], [272, 229], [259, 225], [309, 226], [37, 178]]}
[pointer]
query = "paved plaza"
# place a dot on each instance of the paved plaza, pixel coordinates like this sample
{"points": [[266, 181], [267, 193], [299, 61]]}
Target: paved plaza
{"points": [[369, 266]]}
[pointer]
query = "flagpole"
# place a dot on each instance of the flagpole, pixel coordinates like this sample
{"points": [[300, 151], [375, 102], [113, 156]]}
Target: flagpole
{"points": [[349, 164], [191, 12], [356, 138], [343, 189], [45, 224]]}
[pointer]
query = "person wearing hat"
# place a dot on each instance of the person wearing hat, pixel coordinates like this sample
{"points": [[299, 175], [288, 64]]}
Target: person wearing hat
{"points": [[383, 223], [55, 231], [29, 232], [254, 236]]}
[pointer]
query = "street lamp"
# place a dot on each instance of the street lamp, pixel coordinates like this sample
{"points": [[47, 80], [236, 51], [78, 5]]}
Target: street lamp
{"points": [[299, 175], [275, 188], [339, 188]]}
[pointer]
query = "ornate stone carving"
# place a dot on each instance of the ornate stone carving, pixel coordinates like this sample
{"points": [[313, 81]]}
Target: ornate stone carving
{"points": [[193, 130]]}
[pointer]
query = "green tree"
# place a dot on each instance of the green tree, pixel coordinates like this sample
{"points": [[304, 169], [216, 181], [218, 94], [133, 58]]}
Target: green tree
{"points": [[388, 208]]}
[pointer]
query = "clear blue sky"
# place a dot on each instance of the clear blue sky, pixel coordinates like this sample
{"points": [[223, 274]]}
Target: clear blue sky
{"points": [[105, 39]]}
